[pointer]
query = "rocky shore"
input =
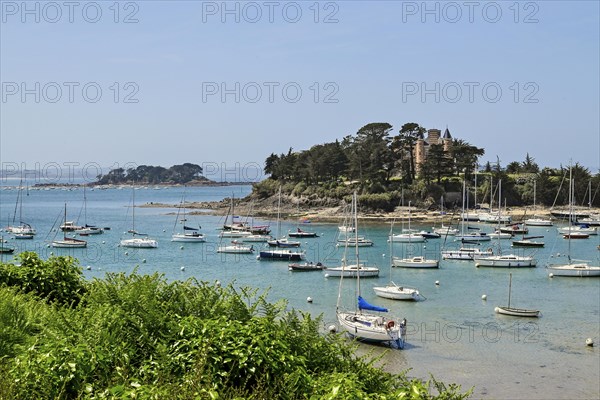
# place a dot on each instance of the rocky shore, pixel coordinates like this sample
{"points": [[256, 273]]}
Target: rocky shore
{"points": [[335, 213]]}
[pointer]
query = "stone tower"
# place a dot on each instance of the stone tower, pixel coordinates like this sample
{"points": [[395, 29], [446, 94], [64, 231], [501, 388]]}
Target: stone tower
{"points": [[447, 139]]}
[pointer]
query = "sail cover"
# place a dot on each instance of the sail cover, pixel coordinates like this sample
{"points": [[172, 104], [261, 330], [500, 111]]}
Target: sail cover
{"points": [[189, 228], [363, 305]]}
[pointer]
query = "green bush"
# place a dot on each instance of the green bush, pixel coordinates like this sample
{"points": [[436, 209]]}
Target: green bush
{"points": [[58, 279]]}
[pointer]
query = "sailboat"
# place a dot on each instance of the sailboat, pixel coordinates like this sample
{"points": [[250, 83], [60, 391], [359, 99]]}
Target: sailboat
{"points": [[361, 323], [476, 235], [23, 230], [515, 312], [189, 234], [282, 253], [391, 290], [537, 220], [68, 242], [504, 260], [465, 252], [4, 248], [573, 267], [407, 236], [138, 240], [413, 262], [87, 230]]}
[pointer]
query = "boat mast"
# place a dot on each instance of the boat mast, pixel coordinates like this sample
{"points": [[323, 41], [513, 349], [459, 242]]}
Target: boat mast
{"points": [[356, 250], [65, 223], [570, 209], [509, 287]]}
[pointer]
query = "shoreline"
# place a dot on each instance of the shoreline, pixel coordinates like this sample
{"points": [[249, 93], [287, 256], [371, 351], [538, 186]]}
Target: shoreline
{"points": [[320, 214]]}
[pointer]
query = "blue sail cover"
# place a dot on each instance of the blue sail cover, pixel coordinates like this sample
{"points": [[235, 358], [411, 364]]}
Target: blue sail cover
{"points": [[363, 305], [188, 228]]}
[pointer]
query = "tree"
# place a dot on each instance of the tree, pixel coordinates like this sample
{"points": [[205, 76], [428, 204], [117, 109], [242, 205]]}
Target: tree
{"points": [[466, 156], [405, 143], [513, 167], [438, 164], [529, 165]]}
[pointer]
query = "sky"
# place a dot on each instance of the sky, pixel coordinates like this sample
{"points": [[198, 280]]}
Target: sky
{"points": [[225, 84]]}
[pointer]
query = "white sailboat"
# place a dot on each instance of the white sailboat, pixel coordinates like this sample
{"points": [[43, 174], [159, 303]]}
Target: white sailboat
{"points": [[467, 250], [393, 291], [476, 235], [22, 230], [407, 236], [504, 260], [281, 246], [537, 220], [138, 240], [87, 230], [580, 268], [67, 242], [362, 323], [189, 234], [515, 312]]}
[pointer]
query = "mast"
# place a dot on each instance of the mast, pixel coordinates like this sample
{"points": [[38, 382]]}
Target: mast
{"points": [[279, 214], [463, 209], [133, 213], [65, 223], [570, 208], [356, 249], [509, 287]]}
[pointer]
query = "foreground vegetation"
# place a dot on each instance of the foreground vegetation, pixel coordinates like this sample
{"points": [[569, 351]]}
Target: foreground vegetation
{"points": [[139, 336]]}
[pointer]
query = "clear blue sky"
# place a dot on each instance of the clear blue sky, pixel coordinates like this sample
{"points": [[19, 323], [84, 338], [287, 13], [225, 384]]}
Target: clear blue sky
{"points": [[374, 58]]}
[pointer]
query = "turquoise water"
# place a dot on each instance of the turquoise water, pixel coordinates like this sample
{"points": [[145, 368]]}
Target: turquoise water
{"points": [[453, 334]]}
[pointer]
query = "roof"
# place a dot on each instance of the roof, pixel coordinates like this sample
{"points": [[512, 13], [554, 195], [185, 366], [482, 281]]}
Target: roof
{"points": [[447, 134]]}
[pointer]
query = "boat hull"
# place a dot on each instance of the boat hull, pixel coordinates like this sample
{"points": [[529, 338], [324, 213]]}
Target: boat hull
{"points": [[415, 262], [305, 267], [395, 292], [576, 270], [371, 328], [517, 312], [505, 262], [280, 255], [139, 243], [188, 238], [352, 272], [69, 244]]}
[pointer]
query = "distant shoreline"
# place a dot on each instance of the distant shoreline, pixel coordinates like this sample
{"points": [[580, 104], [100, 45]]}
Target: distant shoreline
{"points": [[116, 185]]}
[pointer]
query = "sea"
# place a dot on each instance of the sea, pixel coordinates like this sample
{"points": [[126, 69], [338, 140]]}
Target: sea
{"points": [[453, 334]]}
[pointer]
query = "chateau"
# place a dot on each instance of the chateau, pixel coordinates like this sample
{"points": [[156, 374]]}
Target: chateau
{"points": [[434, 136]]}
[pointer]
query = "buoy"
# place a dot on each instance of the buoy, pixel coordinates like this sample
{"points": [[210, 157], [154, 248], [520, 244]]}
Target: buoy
{"points": [[383, 255], [258, 257], [589, 342], [477, 265], [48, 246], [218, 283], [103, 242], [326, 275], [484, 297], [332, 328], [89, 268], [309, 299], [424, 247], [437, 283], [182, 268], [126, 253], [181, 248], [551, 275], [144, 261], [51, 253], [164, 230]]}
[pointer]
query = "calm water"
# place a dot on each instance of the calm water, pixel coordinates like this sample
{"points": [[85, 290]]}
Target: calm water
{"points": [[453, 334]]}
